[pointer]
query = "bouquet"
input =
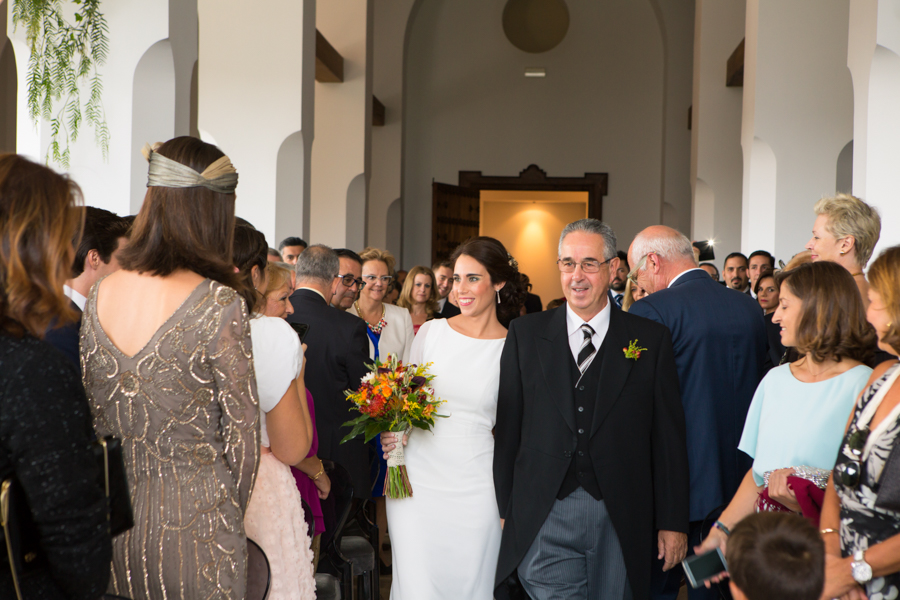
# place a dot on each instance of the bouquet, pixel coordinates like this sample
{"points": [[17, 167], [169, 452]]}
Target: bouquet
{"points": [[394, 397]]}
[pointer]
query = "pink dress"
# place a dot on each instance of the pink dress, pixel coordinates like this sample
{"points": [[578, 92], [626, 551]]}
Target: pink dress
{"points": [[274, 517]]}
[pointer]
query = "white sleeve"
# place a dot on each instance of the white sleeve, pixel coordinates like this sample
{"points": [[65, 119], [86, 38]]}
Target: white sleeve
{"points": [[417, 350], [277, 358]]}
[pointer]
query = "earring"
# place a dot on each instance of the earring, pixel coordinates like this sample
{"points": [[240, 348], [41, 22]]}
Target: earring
{"points": [[843, 253], [498, 296]]}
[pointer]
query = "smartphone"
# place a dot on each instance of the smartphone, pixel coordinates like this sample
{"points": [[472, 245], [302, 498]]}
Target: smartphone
{"points": [[301, 328], [706, 250], [701, 567]]}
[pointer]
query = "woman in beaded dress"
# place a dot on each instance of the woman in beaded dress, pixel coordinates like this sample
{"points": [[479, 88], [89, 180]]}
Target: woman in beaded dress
{"points": [[168, 368]]}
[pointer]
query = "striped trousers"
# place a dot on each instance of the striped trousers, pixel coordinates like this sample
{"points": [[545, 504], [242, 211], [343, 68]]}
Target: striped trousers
{"points": [[576, 554]]}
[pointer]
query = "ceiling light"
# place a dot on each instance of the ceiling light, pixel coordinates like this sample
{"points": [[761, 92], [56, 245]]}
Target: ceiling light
{"points": [[535, 72]]}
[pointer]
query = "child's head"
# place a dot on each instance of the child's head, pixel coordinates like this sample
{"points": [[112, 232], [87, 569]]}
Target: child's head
{"points": [[776, 556]]}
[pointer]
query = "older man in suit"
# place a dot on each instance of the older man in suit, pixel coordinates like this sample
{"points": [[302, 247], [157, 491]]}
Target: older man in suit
{"points": [[590, 465], [720, 348], [337, 350]]}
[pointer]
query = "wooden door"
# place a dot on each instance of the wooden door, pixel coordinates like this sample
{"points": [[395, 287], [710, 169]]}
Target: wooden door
{"points": [[456, 215]]}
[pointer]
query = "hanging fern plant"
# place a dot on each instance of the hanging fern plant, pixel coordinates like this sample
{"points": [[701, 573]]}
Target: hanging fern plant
{"points": [[64, 56]]}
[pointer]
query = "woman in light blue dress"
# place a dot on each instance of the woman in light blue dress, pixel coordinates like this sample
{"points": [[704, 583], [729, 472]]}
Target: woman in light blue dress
{"points": [[796, 421]]}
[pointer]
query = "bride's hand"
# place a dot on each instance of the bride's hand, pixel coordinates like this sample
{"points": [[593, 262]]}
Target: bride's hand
{"points": [[389, 441]]}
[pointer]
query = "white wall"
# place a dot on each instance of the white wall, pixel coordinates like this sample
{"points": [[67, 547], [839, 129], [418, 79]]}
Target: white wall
{"points": [[600, 109], [341, 152], [797, 117], [716, 159]]}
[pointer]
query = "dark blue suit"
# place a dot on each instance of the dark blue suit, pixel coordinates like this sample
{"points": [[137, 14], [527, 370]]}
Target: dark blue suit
{"points": [[67, 338], [720, 345]]}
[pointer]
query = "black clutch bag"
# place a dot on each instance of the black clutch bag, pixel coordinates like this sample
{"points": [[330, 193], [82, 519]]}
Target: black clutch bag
{"points": [[21, 538]]}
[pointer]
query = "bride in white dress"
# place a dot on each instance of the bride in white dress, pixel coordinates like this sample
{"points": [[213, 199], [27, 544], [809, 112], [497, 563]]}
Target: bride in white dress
{"points": [[445, 539]]}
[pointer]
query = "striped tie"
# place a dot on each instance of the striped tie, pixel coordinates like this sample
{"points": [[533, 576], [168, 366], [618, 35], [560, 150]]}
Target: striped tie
{"points": [[587, 352]]}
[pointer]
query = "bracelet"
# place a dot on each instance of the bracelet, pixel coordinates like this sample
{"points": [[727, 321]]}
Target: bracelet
{"points": [[829, 530], [319, 474], [725, 530]]}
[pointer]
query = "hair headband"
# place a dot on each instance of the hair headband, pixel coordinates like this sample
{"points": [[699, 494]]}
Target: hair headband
{"points": [[220, 176]]}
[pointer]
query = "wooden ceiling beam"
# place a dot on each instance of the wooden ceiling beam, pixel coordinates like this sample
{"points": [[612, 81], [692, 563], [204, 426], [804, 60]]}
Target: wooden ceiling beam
{"points": [[329, 62]]}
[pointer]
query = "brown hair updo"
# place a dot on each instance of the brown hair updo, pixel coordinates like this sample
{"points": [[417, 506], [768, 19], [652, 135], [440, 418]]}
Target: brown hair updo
{"points": [[250, 250], [884, 278], [501, 267], [833, 321]]}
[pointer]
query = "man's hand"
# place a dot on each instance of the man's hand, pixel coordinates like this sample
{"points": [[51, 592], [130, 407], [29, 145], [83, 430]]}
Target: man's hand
{"points": [[672, 547]]}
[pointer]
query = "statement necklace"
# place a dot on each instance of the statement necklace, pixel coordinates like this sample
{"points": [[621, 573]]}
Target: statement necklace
{"points": [[377, 327]]}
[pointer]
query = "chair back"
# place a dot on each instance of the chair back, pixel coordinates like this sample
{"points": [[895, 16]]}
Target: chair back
{"points": [[336, 508], [258, 572], [308, 517]]}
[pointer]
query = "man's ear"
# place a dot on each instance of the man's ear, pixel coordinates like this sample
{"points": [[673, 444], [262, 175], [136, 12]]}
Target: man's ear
{"points": [[613, 267], [92, 260], [652, 263]]}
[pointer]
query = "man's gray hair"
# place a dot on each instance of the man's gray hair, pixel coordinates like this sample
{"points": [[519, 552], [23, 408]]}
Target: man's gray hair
{"points": [[318, 263], [672, 247], [592, 226]]}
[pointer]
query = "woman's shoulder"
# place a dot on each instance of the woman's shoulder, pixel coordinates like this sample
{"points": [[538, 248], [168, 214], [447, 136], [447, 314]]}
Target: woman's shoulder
{"points": [[396, 313], [273, 337]]}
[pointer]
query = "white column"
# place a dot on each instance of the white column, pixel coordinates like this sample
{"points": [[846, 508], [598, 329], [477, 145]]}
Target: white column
{"points": [[716, 160], [797, 117], [256, 102], [134, 27], [875, 64], [342, 153]]}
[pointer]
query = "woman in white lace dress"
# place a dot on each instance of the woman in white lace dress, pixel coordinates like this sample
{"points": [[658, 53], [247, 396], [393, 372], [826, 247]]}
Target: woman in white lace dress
{"points": [[445, 539]]}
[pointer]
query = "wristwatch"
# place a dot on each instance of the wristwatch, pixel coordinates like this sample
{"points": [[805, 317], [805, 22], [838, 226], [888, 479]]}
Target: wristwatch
{"points": [[860, 569]]}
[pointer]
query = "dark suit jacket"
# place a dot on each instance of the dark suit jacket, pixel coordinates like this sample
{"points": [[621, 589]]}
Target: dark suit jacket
{"points": [[67, 338], [637, 438], [337, 350], [774, 348], [449, 310], [720, 348]]}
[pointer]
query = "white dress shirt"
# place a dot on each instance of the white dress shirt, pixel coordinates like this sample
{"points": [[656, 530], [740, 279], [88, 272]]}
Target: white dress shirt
{"points": [[75, 297], [600, 325]]}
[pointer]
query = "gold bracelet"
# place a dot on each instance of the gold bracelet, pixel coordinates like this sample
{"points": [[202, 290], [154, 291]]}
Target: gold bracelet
{"points": [[319, 474], [829, 530]]}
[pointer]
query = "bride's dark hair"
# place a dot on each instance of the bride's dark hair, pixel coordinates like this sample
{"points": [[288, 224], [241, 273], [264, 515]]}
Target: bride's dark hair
{"points": [[502, 268]]}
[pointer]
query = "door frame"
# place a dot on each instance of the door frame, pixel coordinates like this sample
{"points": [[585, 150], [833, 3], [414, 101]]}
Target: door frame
{"points": [[533, 178]]}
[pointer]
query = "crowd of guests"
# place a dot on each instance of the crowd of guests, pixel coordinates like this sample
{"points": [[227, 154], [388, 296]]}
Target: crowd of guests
{"points": [[228, 391]]}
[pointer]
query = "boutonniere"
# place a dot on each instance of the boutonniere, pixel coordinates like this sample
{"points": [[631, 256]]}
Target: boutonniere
{"points": [[633, 351]]}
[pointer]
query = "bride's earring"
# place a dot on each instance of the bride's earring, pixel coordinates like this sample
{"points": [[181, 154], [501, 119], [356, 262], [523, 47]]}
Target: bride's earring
{"points": [[498, 296]]}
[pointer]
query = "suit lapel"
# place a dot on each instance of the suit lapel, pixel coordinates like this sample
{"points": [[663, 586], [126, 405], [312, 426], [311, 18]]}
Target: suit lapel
{"points": [[614, 370], [554, 355]]}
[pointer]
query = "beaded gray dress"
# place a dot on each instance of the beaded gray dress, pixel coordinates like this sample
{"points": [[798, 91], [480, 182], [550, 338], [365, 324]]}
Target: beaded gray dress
{"points": [[185, 407]]}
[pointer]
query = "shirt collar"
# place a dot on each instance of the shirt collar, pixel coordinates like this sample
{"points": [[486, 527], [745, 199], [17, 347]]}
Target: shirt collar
{"points": [[677, 277], [600, 321], [313, 290], [75, 297]]}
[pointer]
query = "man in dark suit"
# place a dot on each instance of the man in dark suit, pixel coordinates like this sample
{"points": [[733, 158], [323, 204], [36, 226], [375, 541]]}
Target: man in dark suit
{"points": [[720, 347], [337, 350], [590, 465], [443, 275], [736, 272], [96, 256]]}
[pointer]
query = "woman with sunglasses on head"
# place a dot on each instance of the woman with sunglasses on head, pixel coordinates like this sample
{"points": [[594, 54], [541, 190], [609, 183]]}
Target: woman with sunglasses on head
{"points": [[861, 515], [793, 427], [390, 331], [274, 517], [45, 420]]}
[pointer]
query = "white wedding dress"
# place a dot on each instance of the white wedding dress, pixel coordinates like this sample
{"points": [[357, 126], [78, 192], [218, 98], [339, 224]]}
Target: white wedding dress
{"points": [[445, 539]]}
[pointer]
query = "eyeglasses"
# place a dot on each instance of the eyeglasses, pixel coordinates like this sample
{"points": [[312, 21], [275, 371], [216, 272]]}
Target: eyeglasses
{"points": [[849, 474], [634, 272], [349, 280], [385, 279], [588, 266]]}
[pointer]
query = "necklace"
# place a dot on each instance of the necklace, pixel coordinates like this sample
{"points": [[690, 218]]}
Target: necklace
{"points": [[856, 274], [377, 327]]}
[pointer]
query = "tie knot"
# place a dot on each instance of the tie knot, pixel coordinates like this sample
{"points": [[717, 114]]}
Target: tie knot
{"points": [[587, 330]]}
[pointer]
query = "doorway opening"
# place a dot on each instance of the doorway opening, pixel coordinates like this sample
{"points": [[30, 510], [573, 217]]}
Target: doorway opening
{"points": [[528, 224]]}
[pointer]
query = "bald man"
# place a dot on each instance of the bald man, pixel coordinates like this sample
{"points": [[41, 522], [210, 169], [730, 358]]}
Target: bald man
{"points": [[720, 346]]}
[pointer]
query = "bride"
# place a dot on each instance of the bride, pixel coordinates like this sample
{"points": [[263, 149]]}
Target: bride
{"points": [[445, 539]]}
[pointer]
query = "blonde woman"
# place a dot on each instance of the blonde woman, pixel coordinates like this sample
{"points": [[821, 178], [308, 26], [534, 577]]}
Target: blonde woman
{"points": [[419, 296], [846, 231], [390, 331]]}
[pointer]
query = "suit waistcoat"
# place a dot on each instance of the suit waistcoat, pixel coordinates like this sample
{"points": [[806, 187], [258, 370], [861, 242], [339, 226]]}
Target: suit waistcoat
{"points": [[581, 467]]}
